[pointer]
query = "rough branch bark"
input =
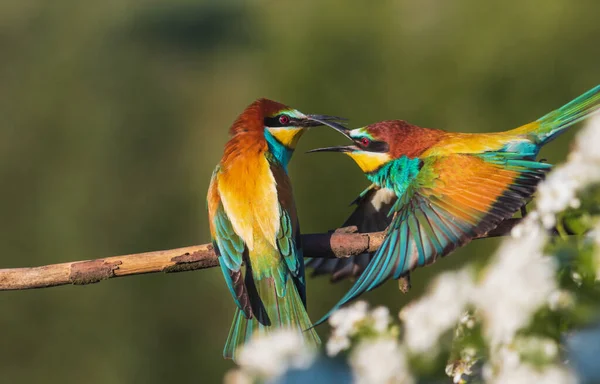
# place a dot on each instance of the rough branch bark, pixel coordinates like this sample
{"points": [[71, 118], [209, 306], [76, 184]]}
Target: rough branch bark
{"points": [[336, 244]]}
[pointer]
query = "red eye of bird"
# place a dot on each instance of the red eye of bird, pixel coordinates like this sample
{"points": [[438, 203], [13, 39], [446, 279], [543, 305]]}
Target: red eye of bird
{"points": [[365, 142], [284, 120]]}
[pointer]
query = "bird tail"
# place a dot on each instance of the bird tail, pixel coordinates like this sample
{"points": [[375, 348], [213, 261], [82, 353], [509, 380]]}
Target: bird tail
{"points": [[283, 311], [549, 126]]}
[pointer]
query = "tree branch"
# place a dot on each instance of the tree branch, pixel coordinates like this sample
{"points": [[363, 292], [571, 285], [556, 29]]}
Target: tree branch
{"points": [[344, 242]]}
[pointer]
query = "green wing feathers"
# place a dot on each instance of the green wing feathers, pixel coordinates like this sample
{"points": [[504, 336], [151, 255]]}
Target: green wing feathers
{"points": [[230, 249], [288, 242]]}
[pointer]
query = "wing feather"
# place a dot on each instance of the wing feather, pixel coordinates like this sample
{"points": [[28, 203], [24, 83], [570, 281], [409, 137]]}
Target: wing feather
{"points": [[446, 206], [229, 247]]}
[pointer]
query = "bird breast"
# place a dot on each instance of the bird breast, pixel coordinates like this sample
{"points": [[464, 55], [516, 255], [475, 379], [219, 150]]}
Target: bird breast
{"points": [[249, 195]]}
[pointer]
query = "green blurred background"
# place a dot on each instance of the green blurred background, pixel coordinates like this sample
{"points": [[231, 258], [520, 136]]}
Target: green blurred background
{"points": [[113, 115]]}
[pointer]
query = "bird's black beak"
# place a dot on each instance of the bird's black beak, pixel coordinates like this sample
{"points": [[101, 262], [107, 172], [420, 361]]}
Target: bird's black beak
{"points": [[340, 148], [330, 121], [338, 127]]}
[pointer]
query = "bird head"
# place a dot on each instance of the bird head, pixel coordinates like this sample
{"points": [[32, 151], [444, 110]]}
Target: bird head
{"points": [[286, 124], [369, 150], [376, 144]]}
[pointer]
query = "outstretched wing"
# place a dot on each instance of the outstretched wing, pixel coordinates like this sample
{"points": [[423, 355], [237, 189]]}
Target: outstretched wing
{"points": [[229, 247], [370, 215], [451, 200]]}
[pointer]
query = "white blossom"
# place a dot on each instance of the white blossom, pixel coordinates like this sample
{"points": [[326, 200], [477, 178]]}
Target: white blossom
{"points": [[270, 355], [381, 319], [427, 319], [344, 320], [586, 142], [462, 367], [344, 323], [515, 285], [468, 320], [380, 361], [349, 321], [337, 344], [560, 299], [577, 278]]}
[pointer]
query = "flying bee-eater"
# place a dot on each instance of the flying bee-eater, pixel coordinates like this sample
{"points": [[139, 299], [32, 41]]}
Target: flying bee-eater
{"points": [[450, 187], [253, 222]]}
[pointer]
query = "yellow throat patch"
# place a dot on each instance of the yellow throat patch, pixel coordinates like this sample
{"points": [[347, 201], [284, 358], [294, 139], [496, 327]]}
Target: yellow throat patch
{"points": [[287, 136], [369, 161]]}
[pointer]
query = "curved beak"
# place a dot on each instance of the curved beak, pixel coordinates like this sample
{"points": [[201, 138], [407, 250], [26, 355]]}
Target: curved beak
{"points": [[330, 121], [338, 127], [340, 148]]}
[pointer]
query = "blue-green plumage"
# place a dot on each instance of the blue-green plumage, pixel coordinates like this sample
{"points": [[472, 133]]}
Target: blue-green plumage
{"points": [[277, 152], [396, 175]]}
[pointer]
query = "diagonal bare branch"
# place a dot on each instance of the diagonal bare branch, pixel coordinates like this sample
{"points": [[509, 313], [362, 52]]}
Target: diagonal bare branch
{"points": [[336, 244]]}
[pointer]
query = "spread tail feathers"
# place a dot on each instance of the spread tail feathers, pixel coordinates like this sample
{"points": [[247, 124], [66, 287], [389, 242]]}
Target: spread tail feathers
{"points": [[552, 124], [284, 312]]}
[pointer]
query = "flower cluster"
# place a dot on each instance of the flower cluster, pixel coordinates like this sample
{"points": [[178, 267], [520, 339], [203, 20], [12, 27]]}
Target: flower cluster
{"points": [[377, 357], [380, 360], [355, 320], [269, 356], [427, 319], [517, 295]]}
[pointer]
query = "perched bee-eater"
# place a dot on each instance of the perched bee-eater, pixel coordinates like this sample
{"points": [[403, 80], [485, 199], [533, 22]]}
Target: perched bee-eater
{"points": [[450, 187], [253, 222]]}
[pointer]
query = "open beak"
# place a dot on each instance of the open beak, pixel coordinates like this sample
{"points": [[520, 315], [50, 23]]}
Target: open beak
{"points": [[330, 121], [340, 148]]}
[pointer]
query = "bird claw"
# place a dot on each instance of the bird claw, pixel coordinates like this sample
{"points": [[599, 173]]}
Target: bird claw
{"points": [[349, 229], [404, 283]]}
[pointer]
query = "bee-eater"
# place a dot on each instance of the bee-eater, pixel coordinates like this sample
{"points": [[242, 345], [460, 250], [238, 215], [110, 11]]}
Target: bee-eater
{"points": [[253, 222], [451, 187]]}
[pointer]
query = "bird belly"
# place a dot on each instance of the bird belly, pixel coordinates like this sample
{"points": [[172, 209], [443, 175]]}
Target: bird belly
{"points": [[248, 192]]}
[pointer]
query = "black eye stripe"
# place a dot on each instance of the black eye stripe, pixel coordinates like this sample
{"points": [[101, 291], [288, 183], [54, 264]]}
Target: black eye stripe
{"points": [[373, 146], [273, 122], [379, 146]]}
